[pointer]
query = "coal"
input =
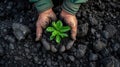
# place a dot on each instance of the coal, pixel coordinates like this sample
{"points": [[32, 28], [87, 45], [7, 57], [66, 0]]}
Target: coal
{"points": [[115, 46], [36, 59], [110, 62], [20, 30], [53, 49], [17, 58], [99, 45], [49, 63], [62, 48], [109, 31], [69, 45], [81, 50], [93, 20], [11, 46], [82, 30], [92, 64], [93, 57], [72, 58], [10, 39], [1, 51], [46, 45], [105, 52]]}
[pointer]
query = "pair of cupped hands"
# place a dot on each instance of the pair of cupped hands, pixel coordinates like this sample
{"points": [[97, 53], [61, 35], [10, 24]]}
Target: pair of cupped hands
{"points": [[47, 16]]}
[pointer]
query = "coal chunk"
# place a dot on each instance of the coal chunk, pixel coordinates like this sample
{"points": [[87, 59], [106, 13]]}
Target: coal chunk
{"points": [[17, 58], [81, 50], [71, 58], [36, 59], [105, 52], [9, 39], [92, 64], [115, 46], [93, 57], [109, 31], [11, 46], [99, 45], [110, 62], [62, 49], [20, 31], [1, 51], [49, 63], [93, 20], [82, 30], [53, 49], [70, 44], [46, 45]]}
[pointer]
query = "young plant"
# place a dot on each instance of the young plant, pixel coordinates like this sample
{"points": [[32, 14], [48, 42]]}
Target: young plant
{"points": [[58, 31]]}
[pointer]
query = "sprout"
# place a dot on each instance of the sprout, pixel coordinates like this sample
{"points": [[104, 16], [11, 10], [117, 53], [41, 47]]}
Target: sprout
{"points": [[58, 31]]}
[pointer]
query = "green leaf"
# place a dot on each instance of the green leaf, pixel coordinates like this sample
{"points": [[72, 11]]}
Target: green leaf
{"points": [[58, 39], [54, 33], [58, 31], [50, 29], [63, 35], [52, 37], [54, 25], [59, 24], [65, 29]]}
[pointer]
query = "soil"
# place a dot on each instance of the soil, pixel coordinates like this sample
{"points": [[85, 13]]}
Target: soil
{"points": [[97, 44]]}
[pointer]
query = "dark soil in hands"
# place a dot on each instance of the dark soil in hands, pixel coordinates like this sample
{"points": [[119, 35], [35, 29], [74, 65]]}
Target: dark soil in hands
{"points": [[97, 44]]}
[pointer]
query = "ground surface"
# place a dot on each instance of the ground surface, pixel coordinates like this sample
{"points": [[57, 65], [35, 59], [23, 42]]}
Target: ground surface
{"points": [[97, 44]]}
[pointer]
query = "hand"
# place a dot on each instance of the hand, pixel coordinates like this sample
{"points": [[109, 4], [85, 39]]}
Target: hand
{"points": [[72, 22], [43, 20]]}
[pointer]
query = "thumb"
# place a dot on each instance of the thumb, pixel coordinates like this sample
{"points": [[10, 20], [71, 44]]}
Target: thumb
{"points": [[73, 26]]}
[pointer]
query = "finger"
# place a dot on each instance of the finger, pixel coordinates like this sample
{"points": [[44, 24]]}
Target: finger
{"points": [[74, 32], [73, 26], [45, 22], [38, 31]]}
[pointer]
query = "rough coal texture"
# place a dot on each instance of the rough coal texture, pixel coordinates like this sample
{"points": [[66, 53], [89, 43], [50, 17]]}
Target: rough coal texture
{"points": [[103, 28]]}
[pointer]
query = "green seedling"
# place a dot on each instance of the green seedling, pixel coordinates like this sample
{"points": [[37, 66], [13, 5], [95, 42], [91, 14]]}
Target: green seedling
{"points": [[58, 31]]}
